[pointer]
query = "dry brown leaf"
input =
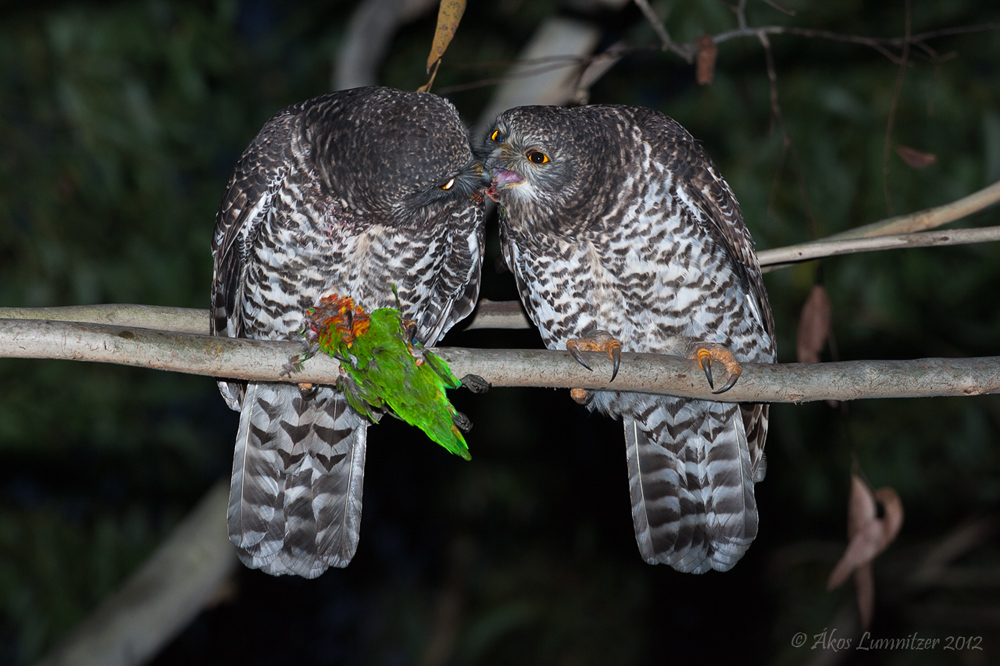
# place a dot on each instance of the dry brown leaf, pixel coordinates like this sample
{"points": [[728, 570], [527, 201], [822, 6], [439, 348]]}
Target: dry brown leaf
{"points": [[892, 515], [449, 14], [915, 158], [814, 325], [864, 589], [868, 535], [705, 65], [863, 532]]}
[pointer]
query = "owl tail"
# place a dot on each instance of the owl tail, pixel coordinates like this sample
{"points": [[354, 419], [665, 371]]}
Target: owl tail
{"points": [[691, 480], [298, 471]]}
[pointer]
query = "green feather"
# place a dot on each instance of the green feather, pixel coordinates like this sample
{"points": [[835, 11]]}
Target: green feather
{"points": [[382, 368]]}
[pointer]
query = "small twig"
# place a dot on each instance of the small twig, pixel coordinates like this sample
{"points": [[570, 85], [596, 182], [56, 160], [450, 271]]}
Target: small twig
{"points": [[828, 248], [260, 360], [893, 106], [930, 218], [784, 10], [740, 9], [667, 44], [788, 145]]}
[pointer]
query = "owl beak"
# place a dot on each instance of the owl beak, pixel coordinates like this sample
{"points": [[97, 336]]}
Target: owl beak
{"points": [[502, 177]]}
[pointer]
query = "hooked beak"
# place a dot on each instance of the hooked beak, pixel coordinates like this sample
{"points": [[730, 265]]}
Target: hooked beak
{"points": [[504, 177]]}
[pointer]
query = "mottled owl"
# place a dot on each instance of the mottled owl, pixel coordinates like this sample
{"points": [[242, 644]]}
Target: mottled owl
{"points": [[618, 228], [354, 192]]}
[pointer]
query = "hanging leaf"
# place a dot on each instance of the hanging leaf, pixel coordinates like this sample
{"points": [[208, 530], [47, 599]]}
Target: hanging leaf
{"points": [[868, 535], [914, 158], [449, 14], [705, 64], [814, 325]]}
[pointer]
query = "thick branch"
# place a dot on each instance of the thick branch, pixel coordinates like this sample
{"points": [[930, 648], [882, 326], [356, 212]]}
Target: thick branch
{"points": [[265, 360]]}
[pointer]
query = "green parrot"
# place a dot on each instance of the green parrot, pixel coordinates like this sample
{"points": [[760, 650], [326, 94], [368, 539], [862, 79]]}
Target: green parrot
{"points": [[383, 366]]}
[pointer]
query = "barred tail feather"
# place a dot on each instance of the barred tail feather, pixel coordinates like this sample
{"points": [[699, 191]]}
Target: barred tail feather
{"points": [[691, 484], [298, 473]]}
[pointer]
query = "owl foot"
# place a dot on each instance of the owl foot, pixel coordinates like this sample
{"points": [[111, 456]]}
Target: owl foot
{"points": [[581, 396], [600, 341], [706, 352]]}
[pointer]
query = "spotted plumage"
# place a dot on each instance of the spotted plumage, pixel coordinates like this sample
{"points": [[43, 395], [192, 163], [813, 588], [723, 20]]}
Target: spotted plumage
{"points": [[614, 220], [352, 192]]}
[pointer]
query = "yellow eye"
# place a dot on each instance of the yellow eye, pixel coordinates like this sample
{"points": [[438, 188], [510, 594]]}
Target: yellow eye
{"points": [[447, 186], [497, 135], [537, 157]]}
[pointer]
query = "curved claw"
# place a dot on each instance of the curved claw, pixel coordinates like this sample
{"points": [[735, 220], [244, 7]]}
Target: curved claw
{"points": [[616, 355], [729, 384], [705, 355], [571, 347], [705, 363]]}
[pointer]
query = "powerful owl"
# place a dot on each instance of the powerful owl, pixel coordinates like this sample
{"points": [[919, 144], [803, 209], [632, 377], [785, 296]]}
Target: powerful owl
{"points": [[354, 192], [622, 235]]}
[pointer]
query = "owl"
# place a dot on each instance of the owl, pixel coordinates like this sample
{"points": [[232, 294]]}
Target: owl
{"points": [[621, 235], [354, 192]]}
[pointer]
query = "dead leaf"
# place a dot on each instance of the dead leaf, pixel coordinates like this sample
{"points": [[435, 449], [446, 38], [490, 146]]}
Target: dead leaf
{"points": [[449, 14], [915, 158], [868, 535], [705, 65], [864, 590], [814, 325]]}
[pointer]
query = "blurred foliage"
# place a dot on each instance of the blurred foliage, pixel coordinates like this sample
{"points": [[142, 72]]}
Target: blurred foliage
{"points": [[120, 123]]}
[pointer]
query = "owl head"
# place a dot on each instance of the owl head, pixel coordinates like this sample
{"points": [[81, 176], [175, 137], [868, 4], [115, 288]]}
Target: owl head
{"points": [[558, 167], [391, 155]]}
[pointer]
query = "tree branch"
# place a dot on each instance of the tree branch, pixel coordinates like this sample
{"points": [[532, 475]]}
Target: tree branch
{"points": [[260, 360], [782, 257], [931, 218], [488, 314], [158, 600]]}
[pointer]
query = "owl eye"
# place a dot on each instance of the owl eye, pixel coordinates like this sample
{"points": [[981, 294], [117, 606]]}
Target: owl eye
{"points": [[537, 156], [496, 136], [447, 186]]}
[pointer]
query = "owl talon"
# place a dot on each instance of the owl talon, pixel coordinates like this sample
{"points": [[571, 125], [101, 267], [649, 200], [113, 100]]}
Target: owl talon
{"points": [[601, 341], [705, 354], [572, 348], [616, 355]]}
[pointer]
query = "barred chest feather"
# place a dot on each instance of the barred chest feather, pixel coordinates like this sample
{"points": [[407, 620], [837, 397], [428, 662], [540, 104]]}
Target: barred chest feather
{"points": [[315, 253], [653, 279]]}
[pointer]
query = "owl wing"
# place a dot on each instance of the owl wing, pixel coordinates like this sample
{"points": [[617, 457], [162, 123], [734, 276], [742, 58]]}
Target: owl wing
{"points": [[711, 195], [246, 205]]}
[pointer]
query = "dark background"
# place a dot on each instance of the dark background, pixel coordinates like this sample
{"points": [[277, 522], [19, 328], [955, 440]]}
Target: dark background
{"points": [[120, 123]]}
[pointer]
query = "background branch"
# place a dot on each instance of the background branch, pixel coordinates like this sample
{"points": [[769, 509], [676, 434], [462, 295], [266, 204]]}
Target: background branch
{"points": [[781, 257], [158, 600]]}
